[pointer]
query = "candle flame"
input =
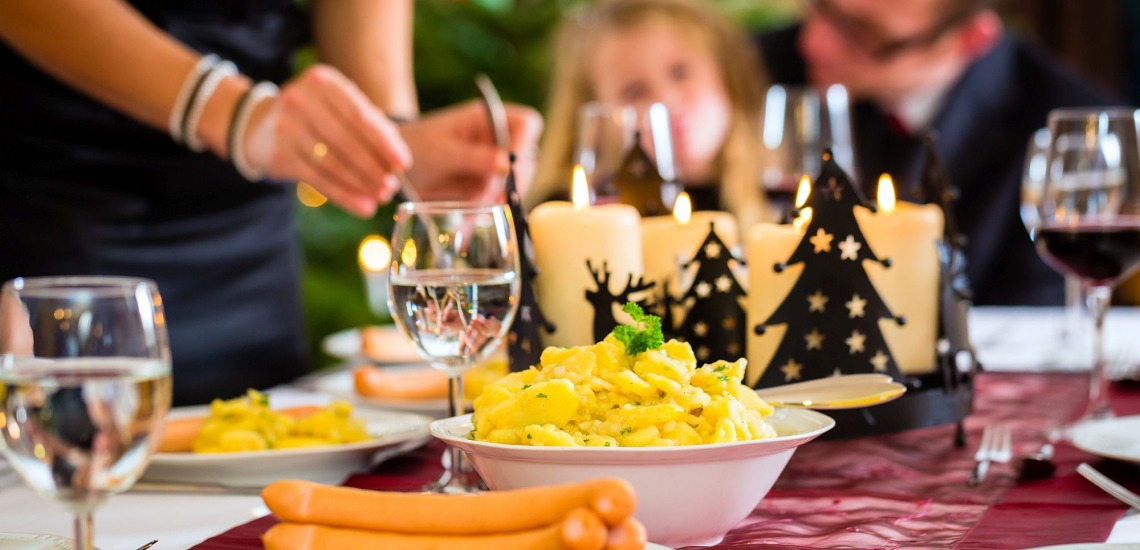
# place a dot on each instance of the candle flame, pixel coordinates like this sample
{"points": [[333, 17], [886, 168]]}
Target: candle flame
{"points": [[374, 253], [683, 208], [579, 191], [886, 193], [803, 219], [408, 256], [804, 191]]}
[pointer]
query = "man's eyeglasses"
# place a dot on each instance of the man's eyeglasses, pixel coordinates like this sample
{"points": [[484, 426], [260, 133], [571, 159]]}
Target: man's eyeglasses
{"points": [[867, 36]]}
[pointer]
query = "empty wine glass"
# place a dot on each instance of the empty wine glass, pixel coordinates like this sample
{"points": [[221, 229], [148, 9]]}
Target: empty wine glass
{"points": [[454, 292], [606, 133], [797, 124], [85, 368], [1089, 215]]}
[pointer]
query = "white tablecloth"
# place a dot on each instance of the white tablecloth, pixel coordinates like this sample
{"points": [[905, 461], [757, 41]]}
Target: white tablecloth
{"points": [[1007, 339]]}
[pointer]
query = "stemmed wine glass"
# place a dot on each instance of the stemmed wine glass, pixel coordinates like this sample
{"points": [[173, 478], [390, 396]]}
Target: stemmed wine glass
{"points": [[1089, 216], [606, 133], [797, 124], [1074, 328], [85, 368], [454, 290]]}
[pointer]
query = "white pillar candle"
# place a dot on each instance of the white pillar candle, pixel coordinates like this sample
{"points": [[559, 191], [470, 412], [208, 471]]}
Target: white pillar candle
{"points": [[907, 234], [566, 235], [669, 241], [374, 256]]}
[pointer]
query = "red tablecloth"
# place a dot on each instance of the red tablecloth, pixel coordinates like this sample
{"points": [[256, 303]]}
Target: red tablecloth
{"points": [[906, 490]]}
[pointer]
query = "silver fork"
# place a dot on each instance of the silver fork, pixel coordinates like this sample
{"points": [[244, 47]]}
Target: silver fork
{"points": [[997, 446], [1111, 487]]}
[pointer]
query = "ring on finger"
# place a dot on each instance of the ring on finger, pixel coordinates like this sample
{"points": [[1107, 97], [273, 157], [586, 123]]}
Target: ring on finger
{"points": [[320, 149]]}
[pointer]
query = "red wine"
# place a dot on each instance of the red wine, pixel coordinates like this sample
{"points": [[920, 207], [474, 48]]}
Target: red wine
{"points": [[1100, 253]]}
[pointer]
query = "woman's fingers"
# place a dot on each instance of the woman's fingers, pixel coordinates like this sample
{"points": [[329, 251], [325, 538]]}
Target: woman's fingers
{"points": [[342, 96]]}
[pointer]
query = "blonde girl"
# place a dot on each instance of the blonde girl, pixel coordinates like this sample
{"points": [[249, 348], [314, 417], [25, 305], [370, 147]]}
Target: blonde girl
{"points": [[678, 52]]}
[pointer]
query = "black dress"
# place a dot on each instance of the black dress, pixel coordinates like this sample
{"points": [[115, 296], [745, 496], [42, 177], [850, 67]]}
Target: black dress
{"points": [[85, 190]]}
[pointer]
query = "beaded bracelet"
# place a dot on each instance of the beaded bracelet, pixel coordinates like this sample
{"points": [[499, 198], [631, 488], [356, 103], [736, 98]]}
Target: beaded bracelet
{"points": [[186, 94], [240, 122], [198, 104]]}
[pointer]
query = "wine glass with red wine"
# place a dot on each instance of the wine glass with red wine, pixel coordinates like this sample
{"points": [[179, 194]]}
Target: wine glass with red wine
{"points": [[1089, 215]]}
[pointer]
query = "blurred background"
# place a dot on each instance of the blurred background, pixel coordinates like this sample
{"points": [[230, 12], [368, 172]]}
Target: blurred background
{"points": [[507, 40]]}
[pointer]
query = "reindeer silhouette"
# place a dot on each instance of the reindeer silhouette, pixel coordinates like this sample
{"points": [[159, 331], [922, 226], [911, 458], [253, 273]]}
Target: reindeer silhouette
{"points": [[603, 300]]}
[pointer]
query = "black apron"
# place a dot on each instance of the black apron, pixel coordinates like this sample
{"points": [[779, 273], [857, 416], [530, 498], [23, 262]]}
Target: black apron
{"points": [[86, 191]]}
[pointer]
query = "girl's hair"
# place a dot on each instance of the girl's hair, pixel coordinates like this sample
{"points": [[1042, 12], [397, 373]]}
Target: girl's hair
{"points": [[696, 21]]}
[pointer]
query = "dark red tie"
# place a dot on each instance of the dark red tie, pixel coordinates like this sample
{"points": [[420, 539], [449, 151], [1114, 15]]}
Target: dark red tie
{"points": [[896, 125]]}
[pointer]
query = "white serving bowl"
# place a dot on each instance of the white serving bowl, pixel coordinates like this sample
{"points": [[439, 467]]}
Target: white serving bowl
{"points": [[686, 496]]}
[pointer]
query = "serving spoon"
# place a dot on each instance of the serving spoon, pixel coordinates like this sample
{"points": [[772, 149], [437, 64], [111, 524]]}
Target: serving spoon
{"points": [[852, 391]]}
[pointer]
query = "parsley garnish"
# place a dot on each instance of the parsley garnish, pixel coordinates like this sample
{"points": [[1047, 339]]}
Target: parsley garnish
{"points": [[528, 436], [660, 394], [585, 441], [720, 368], [471, 434], [627, 430], [723, 378], [525, 386], [607, 444], [644, 335], [541, 396]]}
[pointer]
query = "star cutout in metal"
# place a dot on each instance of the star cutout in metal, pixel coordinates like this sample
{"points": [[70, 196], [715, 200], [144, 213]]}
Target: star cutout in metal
{"points": [[879, 361], [712, 250], [728, 323], [837, 373], [700, 328], [702, 353], [850, 248], [817, 301], [723, 283], [855, 342], [856, 307], [822, 241], [703, 289], [733, 349], [834, 189], [791, 370], [814, 339]]}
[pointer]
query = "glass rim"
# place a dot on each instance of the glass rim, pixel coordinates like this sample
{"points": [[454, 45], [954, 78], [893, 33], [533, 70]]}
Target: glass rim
{"points": [[102, 285], [438, 207], [1082, 113]]}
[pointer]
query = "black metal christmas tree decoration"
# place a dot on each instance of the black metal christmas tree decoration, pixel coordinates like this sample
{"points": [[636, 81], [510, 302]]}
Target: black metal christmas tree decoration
{"points": [[638, 183], [833, 311], [715, 321], [524, 341], [935, 187], [603, 299]]}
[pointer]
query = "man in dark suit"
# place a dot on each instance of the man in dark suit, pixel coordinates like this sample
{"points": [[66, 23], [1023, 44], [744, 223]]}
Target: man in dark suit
{"points": [[915, 66]]}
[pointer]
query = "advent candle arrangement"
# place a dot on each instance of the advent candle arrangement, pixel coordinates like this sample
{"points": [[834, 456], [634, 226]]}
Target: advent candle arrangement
{"points": [[835, 246]]}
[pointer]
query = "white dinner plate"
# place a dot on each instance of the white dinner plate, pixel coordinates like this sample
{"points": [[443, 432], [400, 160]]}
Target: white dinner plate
{"points": [[329, 465], [1117, 438], [389, 346], [24, 541], [339, 384]]}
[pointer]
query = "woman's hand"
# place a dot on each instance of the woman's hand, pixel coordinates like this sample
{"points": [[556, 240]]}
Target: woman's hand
{"points": [[456, 156], [322, 130]]}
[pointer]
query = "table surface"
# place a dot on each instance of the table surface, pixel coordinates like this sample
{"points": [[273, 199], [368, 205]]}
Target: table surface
{"points": [[179, 521]]}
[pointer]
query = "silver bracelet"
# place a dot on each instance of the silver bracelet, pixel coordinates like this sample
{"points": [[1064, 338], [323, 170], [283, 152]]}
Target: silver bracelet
{"points": [[257, 94], [198, 105], [182, 101]]}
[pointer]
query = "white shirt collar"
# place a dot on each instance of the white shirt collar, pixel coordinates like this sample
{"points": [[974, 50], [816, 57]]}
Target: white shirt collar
{"points": [[916, 111]]}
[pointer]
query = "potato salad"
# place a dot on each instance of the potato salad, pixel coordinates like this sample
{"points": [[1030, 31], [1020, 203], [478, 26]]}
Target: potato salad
{"points": [[603, 396]]}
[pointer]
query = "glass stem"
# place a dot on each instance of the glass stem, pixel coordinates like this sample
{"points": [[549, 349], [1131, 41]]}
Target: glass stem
{"points": [[84, 534], [1098, 299], [455, 407]]}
